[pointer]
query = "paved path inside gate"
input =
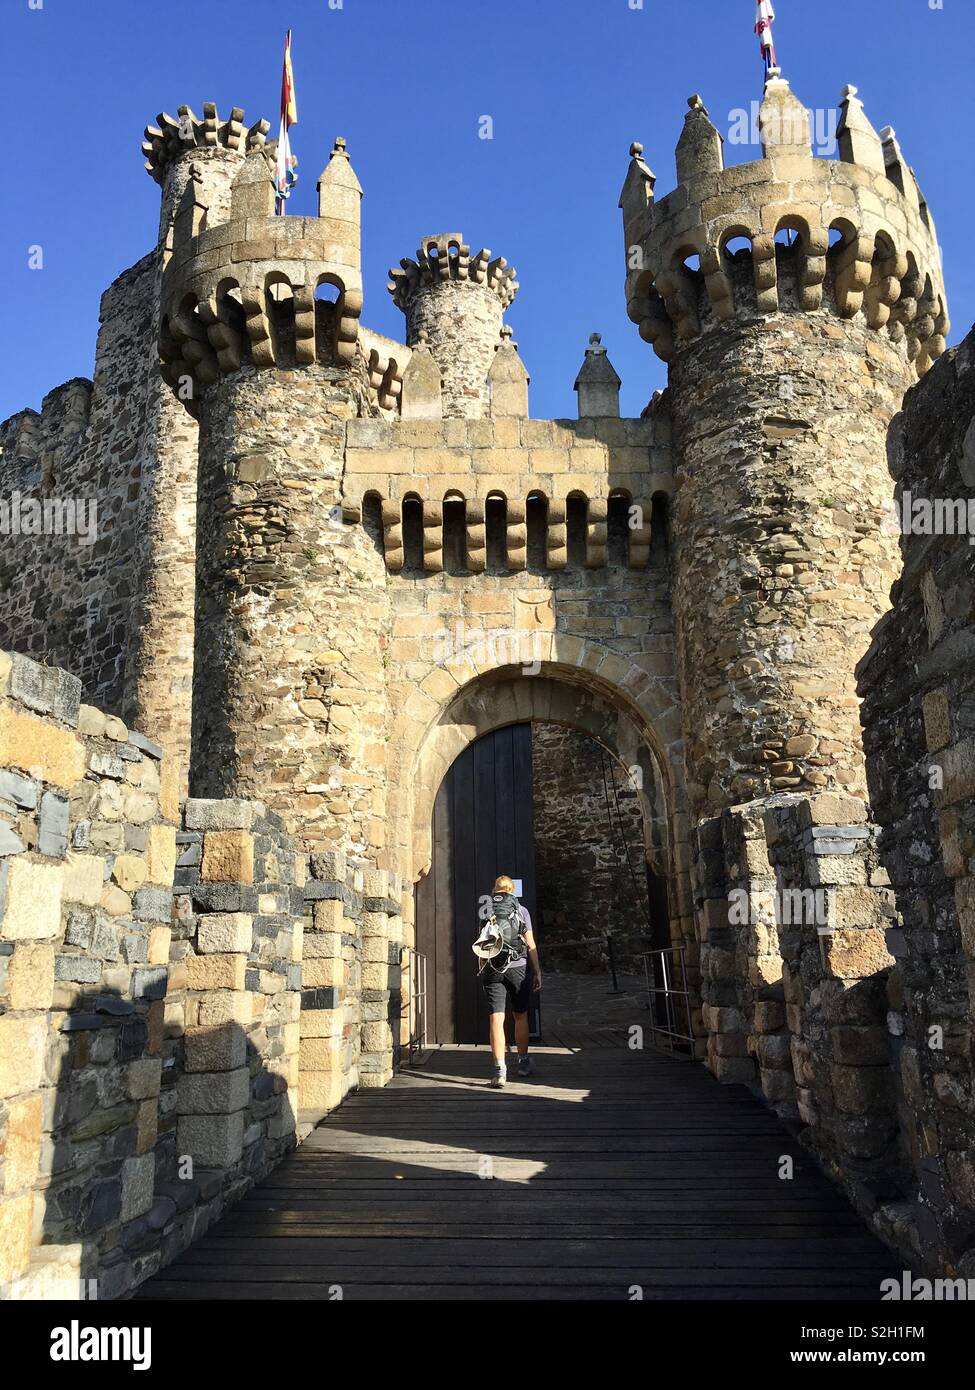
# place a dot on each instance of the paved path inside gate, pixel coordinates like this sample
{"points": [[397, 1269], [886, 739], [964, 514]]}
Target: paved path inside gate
{"points": [[608, 1173]]}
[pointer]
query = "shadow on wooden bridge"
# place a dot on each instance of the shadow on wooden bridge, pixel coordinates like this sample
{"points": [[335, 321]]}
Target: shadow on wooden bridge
{"points": [[610, 1174]]}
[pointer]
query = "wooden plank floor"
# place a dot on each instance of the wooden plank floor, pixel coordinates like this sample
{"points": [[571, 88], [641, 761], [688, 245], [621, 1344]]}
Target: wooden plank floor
{"points": [[610, 1169]]}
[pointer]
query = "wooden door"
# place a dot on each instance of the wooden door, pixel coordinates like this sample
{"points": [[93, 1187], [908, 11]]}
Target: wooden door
{"points": [[483, 825]]}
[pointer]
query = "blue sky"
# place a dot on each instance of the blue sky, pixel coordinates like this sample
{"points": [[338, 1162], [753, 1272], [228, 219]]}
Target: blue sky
{"points": [[568, 84]]}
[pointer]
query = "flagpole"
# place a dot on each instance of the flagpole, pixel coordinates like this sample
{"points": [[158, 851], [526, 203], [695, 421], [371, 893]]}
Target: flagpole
{"points": [[285, 164]]}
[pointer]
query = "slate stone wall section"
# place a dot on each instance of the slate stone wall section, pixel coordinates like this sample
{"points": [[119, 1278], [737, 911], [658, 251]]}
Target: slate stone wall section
{"points": [[289, 682], [116, 612], [918, 684], [583, 881]]}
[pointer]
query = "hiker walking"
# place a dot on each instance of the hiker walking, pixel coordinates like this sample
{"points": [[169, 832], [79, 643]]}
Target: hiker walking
{"points": [[509, 970]]}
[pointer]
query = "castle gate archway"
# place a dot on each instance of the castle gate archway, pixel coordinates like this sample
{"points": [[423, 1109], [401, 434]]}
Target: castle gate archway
{"points": [[474, 819]]}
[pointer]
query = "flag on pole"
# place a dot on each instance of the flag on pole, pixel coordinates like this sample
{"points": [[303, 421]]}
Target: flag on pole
{"points": [[764, 14], [286, 164]]}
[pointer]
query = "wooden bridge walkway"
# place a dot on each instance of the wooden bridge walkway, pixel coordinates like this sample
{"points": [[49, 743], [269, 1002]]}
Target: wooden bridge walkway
{"points": [[608, 1171]]}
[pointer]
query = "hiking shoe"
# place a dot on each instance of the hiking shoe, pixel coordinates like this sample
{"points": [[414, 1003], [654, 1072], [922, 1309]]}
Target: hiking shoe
{"points": [[525, 1067], [499, 1077]]}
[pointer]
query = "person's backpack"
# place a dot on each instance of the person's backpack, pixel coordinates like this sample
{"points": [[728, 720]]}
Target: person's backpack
{"points": [[506, 919]]}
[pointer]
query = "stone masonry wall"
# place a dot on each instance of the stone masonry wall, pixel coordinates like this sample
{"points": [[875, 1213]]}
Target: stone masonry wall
{"points": [[918, 684], [152, 995], [292, 611], [117, 611], [87, 850], [584, 885]]}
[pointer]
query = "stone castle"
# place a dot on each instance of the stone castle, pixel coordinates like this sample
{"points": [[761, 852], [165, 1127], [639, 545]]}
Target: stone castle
{"points": [[328, 561]]}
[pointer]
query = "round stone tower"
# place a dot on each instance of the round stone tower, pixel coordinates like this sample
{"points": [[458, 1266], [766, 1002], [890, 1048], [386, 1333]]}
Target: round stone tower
{"points": [[288, 681], [795, 300], [216, 148], [458, 301]]}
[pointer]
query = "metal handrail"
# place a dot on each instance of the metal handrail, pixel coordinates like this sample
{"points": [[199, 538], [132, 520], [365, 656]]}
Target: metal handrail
{"points": [[416, 968], [665, 999]]}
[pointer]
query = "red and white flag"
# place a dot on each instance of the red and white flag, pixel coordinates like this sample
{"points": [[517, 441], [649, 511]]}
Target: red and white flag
{"points": [[764, 15]]}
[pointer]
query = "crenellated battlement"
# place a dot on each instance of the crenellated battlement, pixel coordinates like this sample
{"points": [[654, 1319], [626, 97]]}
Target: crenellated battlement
{"points": [[248, 288], [446, 257], [170, 137], [466, 487], [35, 446], [862, 238]]}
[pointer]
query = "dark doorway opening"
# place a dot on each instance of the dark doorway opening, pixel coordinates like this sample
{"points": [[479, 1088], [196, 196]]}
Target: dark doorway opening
{"points": [[535, 801]]}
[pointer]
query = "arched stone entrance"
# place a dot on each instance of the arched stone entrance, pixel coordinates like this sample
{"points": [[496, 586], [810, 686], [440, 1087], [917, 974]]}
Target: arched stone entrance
{"points": [[645, 749]]}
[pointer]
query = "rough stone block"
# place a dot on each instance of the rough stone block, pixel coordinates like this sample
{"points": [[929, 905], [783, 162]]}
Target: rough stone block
{"points": [[129, 872], [321, 1054], [318, 973], [937, 720], [322, 1023], [84, 877], [169, 787], [16, 1225], [30, 976], [22, 791], [222, 1047], [228, 856], [22, 1043], [222, 932], [143, 1078], [161, 855], [226, 1006], [830, 808], [212, 1141], [31, 900], [321, 1090], [52, 833], [212, 1093], [859, 1089], [53, 755], [153, 905], [160, 941], [223, 814], [216, 972], [21, 1146], [46, 689], [852, 955], [138, 1181]]}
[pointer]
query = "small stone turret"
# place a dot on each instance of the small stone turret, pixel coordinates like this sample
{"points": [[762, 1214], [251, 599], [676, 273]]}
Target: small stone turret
{"points": [[597, 384], [215, 147], [458, 300]]}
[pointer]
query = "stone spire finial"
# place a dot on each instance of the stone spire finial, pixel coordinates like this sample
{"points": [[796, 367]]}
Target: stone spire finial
{"points": [[896, 166], [699, 146], [339, 191], [859, 142], [636, 194], [597, 385], [508, 380], [421, 397], [783, 121]]}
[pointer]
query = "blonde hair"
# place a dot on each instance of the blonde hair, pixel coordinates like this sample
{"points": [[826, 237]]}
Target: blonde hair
{"points": [[504, 884]]}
